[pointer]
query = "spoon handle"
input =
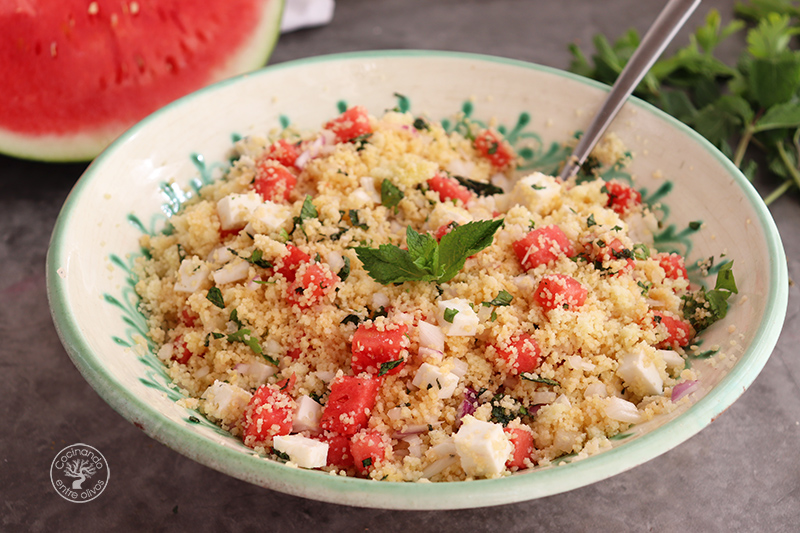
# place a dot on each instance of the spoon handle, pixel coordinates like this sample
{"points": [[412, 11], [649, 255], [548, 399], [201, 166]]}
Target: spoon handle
{"points": [[669, 21]]}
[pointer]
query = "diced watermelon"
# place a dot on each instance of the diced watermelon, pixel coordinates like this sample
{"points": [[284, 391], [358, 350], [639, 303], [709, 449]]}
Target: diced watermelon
{"points": [[522, 353], [309, 290], [559, 290], [274, 182], [374, 350], [283, 152], [449, 189], [492, 146], [368, 450], [622, 197], [673, 265], [188, 318], [541, 246], [351, 124], [522, 441], [287, 384], [287, 265], [444, 229], [224, 234], [180, 351], [338, 450], [349, 404], [612, 251], [679, 332], [268, 414]]}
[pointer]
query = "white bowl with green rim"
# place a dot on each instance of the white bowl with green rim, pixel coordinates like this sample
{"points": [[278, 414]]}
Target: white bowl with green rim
{"points": [[149, 171]]}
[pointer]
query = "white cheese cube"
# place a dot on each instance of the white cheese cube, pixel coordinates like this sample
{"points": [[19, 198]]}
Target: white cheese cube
{"points": [[259, 372], [219, 256], [672, 358], [304, 452], [483, 447], [271, 215], [235, 210], [234, 271], [429, 376], [307, 415], [225, 402], [464, 323], [536, 192], [640, 374], [192, 275]]}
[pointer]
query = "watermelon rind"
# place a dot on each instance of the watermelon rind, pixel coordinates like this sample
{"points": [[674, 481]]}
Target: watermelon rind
{"points": [[86, 145]]}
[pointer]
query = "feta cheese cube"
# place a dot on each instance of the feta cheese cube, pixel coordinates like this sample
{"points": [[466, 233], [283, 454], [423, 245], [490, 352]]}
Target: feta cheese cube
{"points": [[640, 374], [536, 191], [307, 415], [464, 323], [305, 452], [234, 210], [192, 275], [233, 271], [219, 256], [430, 376], [259, 372], [225, 402], [672, 358], [483, 447]]}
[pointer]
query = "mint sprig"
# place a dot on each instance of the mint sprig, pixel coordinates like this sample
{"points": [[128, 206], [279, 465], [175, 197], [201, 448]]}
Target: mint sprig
{"points": [[426, 259]]}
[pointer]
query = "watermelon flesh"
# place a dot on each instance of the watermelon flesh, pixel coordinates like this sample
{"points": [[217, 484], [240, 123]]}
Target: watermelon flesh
{"points": [[78, 73]]}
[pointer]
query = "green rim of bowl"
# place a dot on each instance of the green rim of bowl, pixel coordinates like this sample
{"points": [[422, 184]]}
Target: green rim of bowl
{"points": [[451, 495]]}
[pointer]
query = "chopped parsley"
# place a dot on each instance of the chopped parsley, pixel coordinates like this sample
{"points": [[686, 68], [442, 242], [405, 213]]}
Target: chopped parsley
{"points": [[450, 314], [479, 187], [590, 221], [390, 194], [215, 297], [281, 455], [641, 251], [388, 366]]}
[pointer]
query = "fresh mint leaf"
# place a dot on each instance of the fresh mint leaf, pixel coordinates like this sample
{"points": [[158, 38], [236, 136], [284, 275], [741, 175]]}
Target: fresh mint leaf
{"points": [[704, 307], [503, 298], [390, 264], [450, 314], [527, 376], [215, 297], [390, 194], [354, 220], [344, 272], [257, 258], [245, 336], [235, 318], [479, 187], [779, 116], [308, 210], [386, 367], [462, 242]]}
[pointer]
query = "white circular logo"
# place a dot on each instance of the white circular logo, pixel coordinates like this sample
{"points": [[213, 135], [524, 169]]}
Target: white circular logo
{"points": [[79, 473]]}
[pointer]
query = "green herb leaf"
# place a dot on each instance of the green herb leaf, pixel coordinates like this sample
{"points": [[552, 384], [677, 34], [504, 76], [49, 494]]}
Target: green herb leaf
{"points": [[479, 187], [425, 259], [308, 210], [344, 272], [702, 308], [361, 141], [245, 336], [641, 251], [390, 194], [215, 297], [527, 376], [281, 455], [235, 318], [256, 258], [385, 368], [450, 314], [355, 221], [503, 298], [590, 221], [420, 124]]}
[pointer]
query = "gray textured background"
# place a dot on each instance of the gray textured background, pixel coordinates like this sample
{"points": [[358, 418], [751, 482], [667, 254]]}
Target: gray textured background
{"points": [[742, 473]]}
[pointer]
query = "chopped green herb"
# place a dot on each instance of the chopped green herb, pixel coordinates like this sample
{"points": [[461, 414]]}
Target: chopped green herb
{"points": [[390, 194], [235, 318], [702, 308], [493, 316], [385, 368], [537, 187], [450, 314], [281, 455], [217, 335], [420, 124], [695, 225], [425, 259], [493, 148], [256, 258], [361, 141], [308, 210], [215, 297], [616, 228], [344, 272], [645, 286], [641, 251], [479, 187], [354, 220], [351, 319], [366, 463], [536, 379], [181, 253], [590, 221], [503, 298]]}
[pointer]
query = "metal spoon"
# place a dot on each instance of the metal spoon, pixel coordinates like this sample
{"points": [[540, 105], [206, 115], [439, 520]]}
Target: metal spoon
{"points": [[669, 21]]}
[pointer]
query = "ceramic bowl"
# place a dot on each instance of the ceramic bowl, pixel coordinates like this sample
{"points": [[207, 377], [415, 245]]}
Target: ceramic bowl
{"points": [[149, 171]]}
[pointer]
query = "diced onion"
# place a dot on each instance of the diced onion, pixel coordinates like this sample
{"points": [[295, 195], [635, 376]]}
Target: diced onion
{"points": [[543, 397], [431, 336], [683, 388], [438, 466], [622, 410], [595, 389]]}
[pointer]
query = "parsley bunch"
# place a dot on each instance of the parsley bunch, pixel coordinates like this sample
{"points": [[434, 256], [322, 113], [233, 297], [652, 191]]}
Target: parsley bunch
{"points": [[750, 110]]}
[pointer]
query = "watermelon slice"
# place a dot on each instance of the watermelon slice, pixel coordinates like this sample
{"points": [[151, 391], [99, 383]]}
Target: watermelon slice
{"points": [[77, 73]]}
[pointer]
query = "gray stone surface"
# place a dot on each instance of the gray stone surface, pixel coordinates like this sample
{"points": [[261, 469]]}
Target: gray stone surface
{"points": [[742, 473]]}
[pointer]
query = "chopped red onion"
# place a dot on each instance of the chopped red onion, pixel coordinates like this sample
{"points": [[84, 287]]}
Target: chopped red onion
{"points": [[469, 405], [683, 388]]}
